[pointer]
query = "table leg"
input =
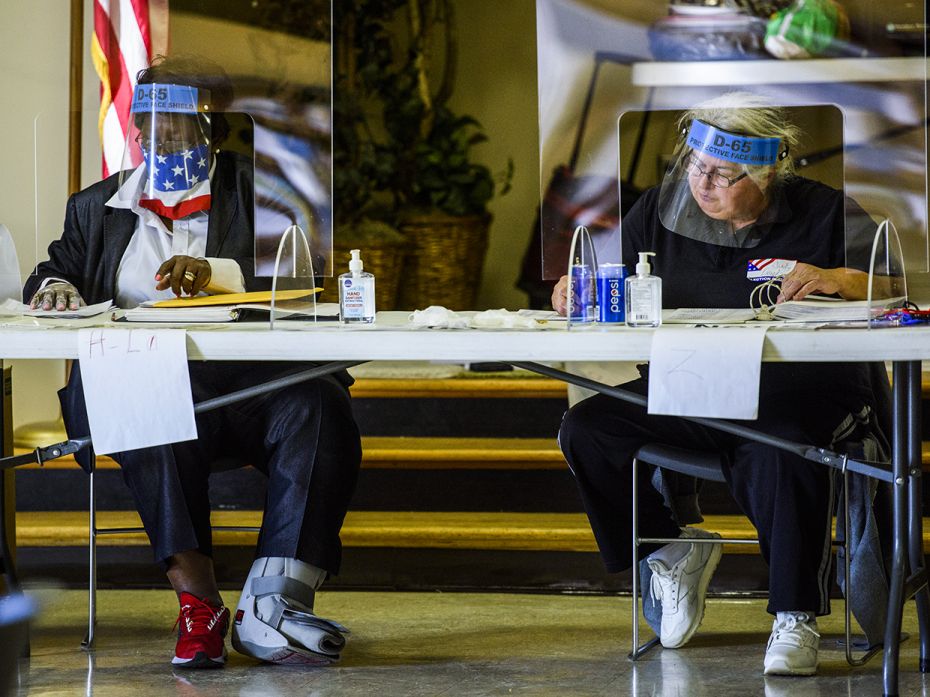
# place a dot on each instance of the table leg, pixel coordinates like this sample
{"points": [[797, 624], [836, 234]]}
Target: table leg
{"points": [[915, 515], [7, 485], [899, 458]]}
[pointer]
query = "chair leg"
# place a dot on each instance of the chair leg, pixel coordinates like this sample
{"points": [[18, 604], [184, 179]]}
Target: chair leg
{"points": [[872, 650], [637, 651], [88, 642]]}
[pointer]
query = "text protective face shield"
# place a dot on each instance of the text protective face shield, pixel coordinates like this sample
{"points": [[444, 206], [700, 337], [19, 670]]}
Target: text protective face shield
{"points": [[715, 182], [167, 159]]}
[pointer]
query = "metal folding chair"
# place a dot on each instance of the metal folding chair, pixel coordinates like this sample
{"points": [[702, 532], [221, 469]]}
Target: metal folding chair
{"points": [[88, 641], [709, 466]]}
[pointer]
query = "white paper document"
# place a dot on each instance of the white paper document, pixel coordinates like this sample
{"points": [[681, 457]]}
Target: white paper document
{"points": [[706, 371], [136, 387], [14, 307], [831, 309], [708, 315], [179, 315]]}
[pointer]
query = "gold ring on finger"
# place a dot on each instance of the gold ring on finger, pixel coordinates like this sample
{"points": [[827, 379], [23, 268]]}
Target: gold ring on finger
{"points": [[190, 276]]}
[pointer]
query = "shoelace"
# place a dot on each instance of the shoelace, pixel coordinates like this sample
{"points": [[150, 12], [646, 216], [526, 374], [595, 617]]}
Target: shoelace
{"points": [[659, 584], [198, 616], [792, 627]]}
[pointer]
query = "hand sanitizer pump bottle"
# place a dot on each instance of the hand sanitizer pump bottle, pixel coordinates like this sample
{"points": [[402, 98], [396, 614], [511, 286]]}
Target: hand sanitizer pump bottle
{"points": [[643, 295], [356, 293]]}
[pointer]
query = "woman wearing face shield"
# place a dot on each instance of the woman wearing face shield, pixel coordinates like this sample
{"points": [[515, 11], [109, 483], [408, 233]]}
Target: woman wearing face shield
{"points": [[731, 198], [177, 220]]}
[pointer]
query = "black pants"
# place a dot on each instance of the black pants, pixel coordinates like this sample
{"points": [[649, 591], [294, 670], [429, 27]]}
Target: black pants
{"points": [[303, 438], [788, 499]]}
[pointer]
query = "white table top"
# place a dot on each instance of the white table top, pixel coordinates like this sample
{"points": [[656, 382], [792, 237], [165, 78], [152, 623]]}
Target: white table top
{"points": [[392, 338]]}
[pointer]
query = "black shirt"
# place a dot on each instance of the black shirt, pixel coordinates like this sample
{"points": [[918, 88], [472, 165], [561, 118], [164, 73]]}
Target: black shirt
{"points": [[806, 222]]}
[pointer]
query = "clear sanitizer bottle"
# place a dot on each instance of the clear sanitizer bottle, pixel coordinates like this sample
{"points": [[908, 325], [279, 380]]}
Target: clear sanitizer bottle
{"points": [[356, 293], [643, 295]]}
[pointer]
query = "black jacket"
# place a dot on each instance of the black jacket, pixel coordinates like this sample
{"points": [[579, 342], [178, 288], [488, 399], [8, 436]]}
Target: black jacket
{"points": [[96, 236]]}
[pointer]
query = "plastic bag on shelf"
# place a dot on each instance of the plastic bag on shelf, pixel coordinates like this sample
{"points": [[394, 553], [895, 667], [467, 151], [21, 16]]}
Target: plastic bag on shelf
{"points": [[807, 28]]}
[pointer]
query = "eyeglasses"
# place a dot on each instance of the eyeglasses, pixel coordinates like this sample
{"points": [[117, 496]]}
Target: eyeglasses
{"points": [[163, 146], [720, 181]]}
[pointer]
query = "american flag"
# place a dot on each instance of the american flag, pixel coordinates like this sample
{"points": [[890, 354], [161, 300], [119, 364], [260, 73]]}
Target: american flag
{"points": [[127, 34], [759, 264]]}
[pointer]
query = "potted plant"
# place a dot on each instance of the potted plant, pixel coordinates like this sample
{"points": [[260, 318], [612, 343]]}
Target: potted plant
{"points": [[405, 150]]}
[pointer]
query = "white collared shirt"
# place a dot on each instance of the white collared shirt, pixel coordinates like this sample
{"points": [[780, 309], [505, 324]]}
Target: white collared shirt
{"points": [[152, 244]]}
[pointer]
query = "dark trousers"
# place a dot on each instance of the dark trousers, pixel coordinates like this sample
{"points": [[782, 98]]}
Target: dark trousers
{"points": [[788, 499], [303, 438]]}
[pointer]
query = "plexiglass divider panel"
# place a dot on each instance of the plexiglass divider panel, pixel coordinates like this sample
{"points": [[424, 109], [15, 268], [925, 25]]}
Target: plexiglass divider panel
{"points": [[600, 60]]}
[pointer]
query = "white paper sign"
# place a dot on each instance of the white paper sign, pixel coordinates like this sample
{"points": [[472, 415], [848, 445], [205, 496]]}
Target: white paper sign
{"points": [[710, 372], [136, 387]]}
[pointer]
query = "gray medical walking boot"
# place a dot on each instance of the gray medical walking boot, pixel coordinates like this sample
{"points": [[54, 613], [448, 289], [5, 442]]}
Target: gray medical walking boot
{"points": [[274, 620]]}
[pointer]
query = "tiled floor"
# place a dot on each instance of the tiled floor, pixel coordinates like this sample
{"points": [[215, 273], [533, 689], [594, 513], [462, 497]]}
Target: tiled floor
{"points": [[443, 644]]}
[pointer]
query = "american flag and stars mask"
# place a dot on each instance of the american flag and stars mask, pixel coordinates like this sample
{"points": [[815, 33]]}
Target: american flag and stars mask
{"points": [[176, 183]]}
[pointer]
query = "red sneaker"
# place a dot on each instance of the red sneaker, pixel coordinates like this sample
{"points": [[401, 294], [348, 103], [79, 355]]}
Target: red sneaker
{"points": [[201, 630]]}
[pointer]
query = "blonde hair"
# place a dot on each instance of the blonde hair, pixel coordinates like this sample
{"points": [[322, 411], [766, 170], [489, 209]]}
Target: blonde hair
{"points": [[753, 115]]}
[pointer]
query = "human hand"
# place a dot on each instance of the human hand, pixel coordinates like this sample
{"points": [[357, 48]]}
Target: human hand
{"points": [[560, 296], [59, 296], [805, 279], [183, 274]]}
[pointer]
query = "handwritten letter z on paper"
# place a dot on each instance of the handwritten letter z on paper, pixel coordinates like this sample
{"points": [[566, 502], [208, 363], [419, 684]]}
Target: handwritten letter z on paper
{"points": [[706, 372]]}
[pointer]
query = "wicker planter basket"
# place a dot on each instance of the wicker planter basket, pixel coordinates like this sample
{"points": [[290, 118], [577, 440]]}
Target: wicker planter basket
{"points": [[383, 259], [444, 260]]}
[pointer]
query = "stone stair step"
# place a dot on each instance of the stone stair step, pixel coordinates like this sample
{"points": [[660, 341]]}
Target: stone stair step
{"points": [[401, 452], [459, 388], [541, 532]]}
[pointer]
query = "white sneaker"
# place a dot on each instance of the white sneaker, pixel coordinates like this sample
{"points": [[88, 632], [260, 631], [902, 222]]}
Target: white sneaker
{"points": [[681, 585], [793, 646]]}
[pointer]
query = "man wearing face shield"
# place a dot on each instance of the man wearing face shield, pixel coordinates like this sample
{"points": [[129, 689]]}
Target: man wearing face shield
{"points": [[730, 197], [177, 221]]}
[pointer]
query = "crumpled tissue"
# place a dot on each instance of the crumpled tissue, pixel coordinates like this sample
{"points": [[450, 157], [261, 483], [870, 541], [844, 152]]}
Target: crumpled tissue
{"points": [[438, 317], [503, 319]]}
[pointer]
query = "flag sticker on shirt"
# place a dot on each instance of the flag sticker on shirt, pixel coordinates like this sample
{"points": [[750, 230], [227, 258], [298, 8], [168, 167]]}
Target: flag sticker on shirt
{"points": [[766, 269]]}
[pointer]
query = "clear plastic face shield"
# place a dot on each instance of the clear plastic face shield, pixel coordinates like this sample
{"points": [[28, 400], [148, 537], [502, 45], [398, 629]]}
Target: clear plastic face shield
{"points": [[167, 159], [718, 183]]}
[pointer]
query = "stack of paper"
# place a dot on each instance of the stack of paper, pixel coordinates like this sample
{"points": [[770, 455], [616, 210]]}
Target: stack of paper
{"points": [[828, 310], [227, 307], [708, 315], [179, 315]]}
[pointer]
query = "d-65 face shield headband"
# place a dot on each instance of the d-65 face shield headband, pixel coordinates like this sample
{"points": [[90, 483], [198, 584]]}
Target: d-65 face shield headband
{"points": [[732, 147], [709, 186], [166, 163]]}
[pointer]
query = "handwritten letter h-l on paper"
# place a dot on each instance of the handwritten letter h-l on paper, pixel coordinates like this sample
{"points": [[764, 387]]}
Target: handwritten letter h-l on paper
{"points": [[136, 388]]}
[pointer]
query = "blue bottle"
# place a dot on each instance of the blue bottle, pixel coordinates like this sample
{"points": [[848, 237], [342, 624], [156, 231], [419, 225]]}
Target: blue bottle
{"points": [[610, 293]]}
